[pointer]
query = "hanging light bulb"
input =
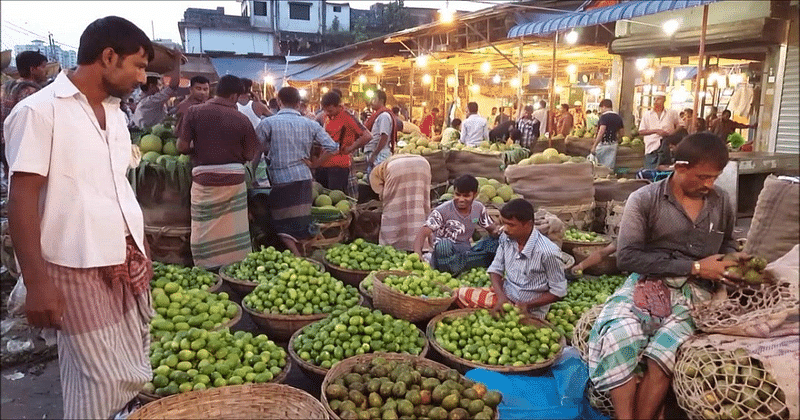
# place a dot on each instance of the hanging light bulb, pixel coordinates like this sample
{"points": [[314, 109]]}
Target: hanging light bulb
{"points": [[268, 79], [369, 94], [572, 37], [362, 79], [642, 63], [514, 82], [496, 79], [486, 67], [671, 26], [475, 88], [572, 69], [533, 68], [452, 80], [303, 93], [324, 89], [447, 15], [649, 73], [378, 68], [426, 79], [422, 60]]}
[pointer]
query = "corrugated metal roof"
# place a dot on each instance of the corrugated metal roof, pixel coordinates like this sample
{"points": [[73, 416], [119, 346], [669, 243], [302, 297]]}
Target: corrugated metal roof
{"points": [[624, 10]]}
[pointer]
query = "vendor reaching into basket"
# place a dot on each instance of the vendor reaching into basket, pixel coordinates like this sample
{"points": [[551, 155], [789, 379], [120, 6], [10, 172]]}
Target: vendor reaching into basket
{"points": [[449, 229], [671, 231]]}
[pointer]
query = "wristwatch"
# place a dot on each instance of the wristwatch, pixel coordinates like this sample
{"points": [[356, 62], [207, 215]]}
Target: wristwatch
{"points": [[696, 268]]}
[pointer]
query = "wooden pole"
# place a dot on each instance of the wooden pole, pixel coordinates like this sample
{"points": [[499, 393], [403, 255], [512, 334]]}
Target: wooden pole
{"points": [[519, 89], [700, 69], [550, 122]]}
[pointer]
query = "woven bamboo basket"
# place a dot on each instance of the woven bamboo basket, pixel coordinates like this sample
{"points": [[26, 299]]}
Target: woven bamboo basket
{"points": [[315, 371], [244, 287], [346, 366], [216, 286], [348, 276], [568, 245], [607, 266], [403, 306], [366, 294], [249, 401], [331, 233], [464, 365], [281, 327]]}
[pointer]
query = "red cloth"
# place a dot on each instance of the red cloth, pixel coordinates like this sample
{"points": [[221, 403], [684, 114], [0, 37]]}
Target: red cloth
{"points": [[344, 130], [427, 125], [654, 296], [476, 297], [137, 270], [371, 121]]}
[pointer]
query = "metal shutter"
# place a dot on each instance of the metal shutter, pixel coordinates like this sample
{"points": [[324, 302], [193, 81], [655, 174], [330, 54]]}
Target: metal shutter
{"points": [[788, 133]]}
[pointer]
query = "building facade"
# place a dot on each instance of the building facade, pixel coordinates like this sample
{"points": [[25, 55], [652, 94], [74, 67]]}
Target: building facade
{"points": [[54, 53]]}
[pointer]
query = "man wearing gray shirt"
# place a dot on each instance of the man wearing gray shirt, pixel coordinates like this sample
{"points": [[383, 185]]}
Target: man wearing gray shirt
{"points": [[672, 237]]}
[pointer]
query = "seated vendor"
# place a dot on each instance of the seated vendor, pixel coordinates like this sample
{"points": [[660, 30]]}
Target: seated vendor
{"points": [[527, 269], [666, 158], [672, 237], [452, 224]]}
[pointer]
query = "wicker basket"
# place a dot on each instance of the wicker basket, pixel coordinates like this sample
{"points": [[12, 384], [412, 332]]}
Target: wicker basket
{"points": [[280, 327], [330, 233], [403, 306], [569, 245], [170, 244], [249, 401], [606, 266], [365, 294], [346, 275], [464, 365], [346, 366], [244, 287], [215, 288], [315, 371]]}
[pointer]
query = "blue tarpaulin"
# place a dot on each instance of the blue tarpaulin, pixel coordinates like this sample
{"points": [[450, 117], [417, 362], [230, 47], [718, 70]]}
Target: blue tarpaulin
{"points": [[256, 68]]}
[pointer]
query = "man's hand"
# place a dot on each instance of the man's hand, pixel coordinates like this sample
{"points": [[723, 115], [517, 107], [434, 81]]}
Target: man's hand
{"points": [[44, 304], [498, 306], [663, 133], [715, 269], [524, 308]]}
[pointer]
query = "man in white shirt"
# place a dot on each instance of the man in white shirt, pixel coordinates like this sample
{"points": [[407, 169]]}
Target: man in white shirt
{"points": [[77, 228], [474, 129], [656, 124], [541, 115]]}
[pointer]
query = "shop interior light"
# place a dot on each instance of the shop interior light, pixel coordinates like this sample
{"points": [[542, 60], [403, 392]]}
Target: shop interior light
{"points": [[378, 68], [452, 80], [303, 93], [362, 79], [558, 89], [680, 74], [642, 63], [496, 79], [671, 26], [571, 37], [475, 88], [324, 89], [572, 69], [649, 73], [713, 77], [426, 79], [609, 83], [422, 60], [447, 15], [486, 67], [514, 82], [268, 79], [735, 79], [533, 68], [369, 94], [536, 104]]}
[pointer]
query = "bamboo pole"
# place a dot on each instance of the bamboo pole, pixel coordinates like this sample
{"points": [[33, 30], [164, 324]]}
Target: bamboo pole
{"points": [[551, 121], [700, 69]]}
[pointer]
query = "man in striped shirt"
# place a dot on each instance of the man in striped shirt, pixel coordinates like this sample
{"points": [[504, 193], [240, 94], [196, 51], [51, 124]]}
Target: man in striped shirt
{"points": [[526, 270]]}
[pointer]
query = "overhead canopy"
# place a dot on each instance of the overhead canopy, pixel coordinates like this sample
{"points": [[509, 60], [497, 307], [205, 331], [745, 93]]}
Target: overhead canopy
{"points": [[600, 15], [306, 70]]}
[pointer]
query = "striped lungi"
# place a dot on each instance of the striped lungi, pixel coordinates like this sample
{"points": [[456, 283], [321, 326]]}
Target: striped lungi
{"points": [[406, 200], [290, 207], [220, 227], [622, 334], [104, 341]]}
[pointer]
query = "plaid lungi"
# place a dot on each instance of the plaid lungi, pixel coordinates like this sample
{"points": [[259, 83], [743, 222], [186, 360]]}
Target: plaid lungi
{"points": [[406, 201], [623, 334], [447, 258]]}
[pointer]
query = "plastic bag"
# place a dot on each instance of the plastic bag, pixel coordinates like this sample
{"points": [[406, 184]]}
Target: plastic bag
{"points": [[16, 300]]}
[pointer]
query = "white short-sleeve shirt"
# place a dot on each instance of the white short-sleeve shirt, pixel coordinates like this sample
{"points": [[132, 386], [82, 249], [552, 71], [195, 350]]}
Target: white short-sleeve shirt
{"points": [[651, 120], [87, 204]]}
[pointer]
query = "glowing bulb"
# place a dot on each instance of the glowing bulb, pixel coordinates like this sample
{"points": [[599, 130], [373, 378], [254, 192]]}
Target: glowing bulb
{"points": [[475, 88], [447, 15], [426, 79], [369, 94], [486, 67], [378, 68], [648, 73], [514, 82], [303, 93], [268, 79], [670, 26], [422, 60], [533, 68], [559, 89], [680, 74], [572, 69], [362, 79], [496, 79], [642, 63], [572, 37], [325, 89]]}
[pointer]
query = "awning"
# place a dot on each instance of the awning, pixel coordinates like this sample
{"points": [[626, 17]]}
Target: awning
{"points": [[600, 15], [309, 69]]}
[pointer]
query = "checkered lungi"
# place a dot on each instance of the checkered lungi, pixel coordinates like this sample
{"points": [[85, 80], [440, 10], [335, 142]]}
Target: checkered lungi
{"points": [[623, 334], [447, 258]]}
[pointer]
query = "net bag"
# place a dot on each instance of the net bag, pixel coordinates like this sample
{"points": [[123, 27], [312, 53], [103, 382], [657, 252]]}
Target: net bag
{"points": [[580, 335]]}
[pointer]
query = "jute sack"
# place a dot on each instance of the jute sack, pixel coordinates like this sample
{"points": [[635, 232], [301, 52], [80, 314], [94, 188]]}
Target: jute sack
{"points": [[606, 190], [548, 224], [438, 162], [170, 244], [578, 146], [487, 165], [566, 184], [755, 311], [629, 159], [579, 216], [776, 222], [367, 221], [728, 377]]}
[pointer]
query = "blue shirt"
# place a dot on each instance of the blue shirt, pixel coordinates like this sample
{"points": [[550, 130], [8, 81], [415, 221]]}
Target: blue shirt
{"points": [[532, 272], [287, 138]]}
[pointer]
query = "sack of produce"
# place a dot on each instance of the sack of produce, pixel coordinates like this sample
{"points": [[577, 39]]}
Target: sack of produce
{"points": [[764, 300], [776, 221], [728, 377], [367, 221], [438, 161], [552, 184], [606, 190], [578, 146], [629, 159], [550, 225], [475, 162], [578, 216], [613, 218]]}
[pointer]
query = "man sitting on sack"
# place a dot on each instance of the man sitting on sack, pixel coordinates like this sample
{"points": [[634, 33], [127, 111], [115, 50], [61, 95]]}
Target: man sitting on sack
{"points": [[450, 227], [672, 237], [526, 270]]}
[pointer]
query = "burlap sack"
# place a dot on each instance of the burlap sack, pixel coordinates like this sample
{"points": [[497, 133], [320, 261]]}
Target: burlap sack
{"points": [[367, 221], [578, 146], [170, 245], [580, 216], [550, 225], [461, 162], [629, 159], [553, 184], [438, 162], [722, 376], [776, 222]]}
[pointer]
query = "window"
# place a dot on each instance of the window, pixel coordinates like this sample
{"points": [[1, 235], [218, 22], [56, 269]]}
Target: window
{"points": [[300, 11], [337, 9], [259, 8]]}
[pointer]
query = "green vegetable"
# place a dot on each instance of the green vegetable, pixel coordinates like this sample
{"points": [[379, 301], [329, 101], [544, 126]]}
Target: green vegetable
{"points": [[736, 140]]}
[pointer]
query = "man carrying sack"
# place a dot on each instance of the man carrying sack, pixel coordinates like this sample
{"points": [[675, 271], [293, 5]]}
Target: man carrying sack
{"points": [[219, 140], [671, 230]]}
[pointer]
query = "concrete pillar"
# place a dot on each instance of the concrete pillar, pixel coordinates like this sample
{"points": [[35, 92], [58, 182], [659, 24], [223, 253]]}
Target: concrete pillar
{"points": [[626, 87]]}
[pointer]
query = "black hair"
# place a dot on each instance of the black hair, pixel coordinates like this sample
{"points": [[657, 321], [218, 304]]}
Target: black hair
{"points": [[473, 107], [606, 103], [273, 103], [289, 96], [381, 95], [701, 124], [114, 32], [151, 81], [247, 83], [565, 107], [542, 104], [514, 134], [465, 184], [229, 85], [455, 123], [395, 110], [528, 108], [518, 209], [728, 111], [331, 99], [494, 108], [703, 147], [198, 80], [27, 59], [689, 111], [337, 91]]}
